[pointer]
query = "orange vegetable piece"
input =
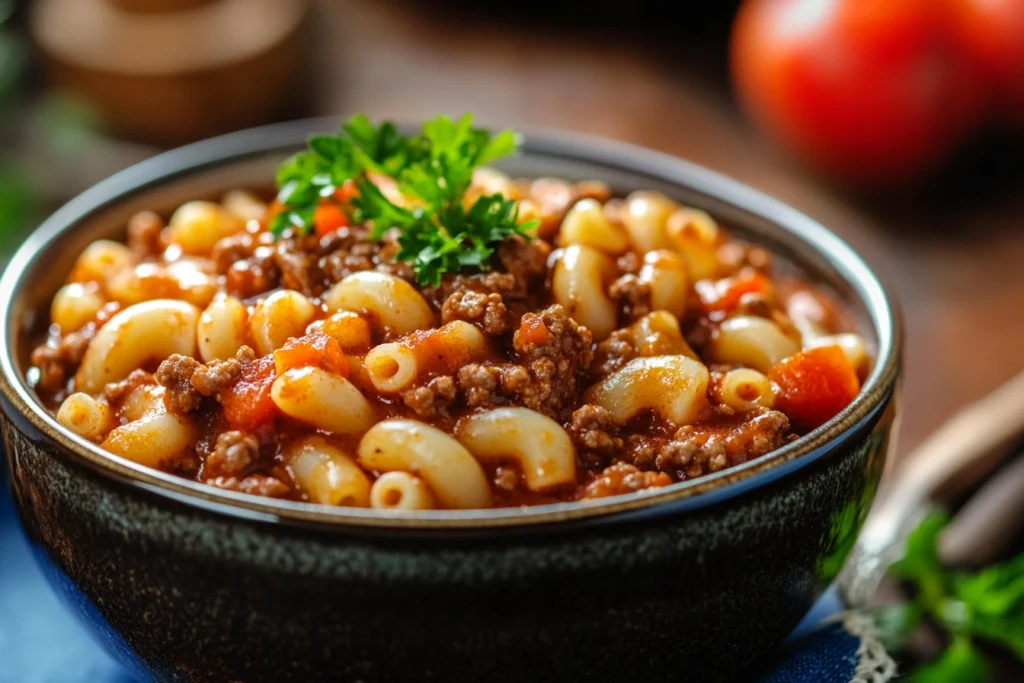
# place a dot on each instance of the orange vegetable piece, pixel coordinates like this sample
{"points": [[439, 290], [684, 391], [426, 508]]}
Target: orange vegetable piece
{"points": [[328, 218], [813, 386], [247, 403], [313, 350], [725, 294], [532, 330]]}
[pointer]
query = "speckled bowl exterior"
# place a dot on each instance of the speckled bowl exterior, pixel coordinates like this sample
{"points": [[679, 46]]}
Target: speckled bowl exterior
{"points": [[691, 583]]}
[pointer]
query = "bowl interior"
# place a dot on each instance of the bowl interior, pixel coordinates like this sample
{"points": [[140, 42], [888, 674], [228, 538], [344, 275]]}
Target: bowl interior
{"points": [[249, 159]]}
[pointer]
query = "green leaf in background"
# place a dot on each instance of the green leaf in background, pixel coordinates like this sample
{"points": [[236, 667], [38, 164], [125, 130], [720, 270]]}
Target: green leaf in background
{"points": [[922, 555], [960, 663], [994, 599]]}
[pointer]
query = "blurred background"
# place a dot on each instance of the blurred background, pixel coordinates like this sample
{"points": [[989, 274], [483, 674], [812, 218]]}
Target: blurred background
{"points": [[899, 124]]}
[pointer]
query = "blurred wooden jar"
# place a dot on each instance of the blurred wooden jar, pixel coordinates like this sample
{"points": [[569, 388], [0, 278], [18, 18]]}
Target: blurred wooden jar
{"points": [[168, 72]]}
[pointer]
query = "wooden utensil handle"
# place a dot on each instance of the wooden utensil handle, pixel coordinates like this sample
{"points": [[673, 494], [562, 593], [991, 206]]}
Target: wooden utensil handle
{"points": [[957, 456]]}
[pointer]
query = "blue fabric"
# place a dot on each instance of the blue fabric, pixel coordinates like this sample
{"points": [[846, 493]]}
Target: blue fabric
{"points": [[40, 641]]}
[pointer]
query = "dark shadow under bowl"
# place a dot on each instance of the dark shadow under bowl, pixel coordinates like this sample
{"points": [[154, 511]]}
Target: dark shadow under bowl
{"points": [[185, 582]]}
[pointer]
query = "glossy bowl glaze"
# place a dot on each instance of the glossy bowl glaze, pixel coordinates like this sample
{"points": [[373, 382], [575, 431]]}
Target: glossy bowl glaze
{"points": [[186, 582]]}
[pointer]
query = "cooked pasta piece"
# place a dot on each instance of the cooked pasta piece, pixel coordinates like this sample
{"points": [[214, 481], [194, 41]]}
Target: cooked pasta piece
{"points": [[322, 399], [222, 328], [100, 261], [751, 341], [401, 491], [278, 318], [454, 476], [153, 440], [197, 226], [326, 474], [664, 273], [645, 219], [578, 284], [539, 445], [86, 416], [146, 332], [696, 236], [76, 304], [587, 225], [744, 390], [391, 300], [674, 387]]}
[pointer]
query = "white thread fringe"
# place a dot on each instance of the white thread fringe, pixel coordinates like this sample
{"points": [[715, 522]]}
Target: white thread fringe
{"points": [[874, 665]]}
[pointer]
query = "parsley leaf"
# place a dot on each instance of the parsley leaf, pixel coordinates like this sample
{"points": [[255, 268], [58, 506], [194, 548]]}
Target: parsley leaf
{"points": [[437, 232], [987, 605]]}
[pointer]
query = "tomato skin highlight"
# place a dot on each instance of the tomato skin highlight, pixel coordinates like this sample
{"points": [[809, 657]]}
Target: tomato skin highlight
{"points": [[247, 403], [872, 91], [725, 294], [992, 34], [313, 350], [813, 386], [329, 218]]}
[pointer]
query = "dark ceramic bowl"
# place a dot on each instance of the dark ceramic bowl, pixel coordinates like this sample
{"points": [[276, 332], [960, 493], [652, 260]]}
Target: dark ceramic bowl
{"points": [[185, 582]]}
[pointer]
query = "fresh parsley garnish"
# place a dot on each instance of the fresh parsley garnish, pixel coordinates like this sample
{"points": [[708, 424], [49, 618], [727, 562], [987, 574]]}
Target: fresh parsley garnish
{"points": [[438, 232], [984, 606]]}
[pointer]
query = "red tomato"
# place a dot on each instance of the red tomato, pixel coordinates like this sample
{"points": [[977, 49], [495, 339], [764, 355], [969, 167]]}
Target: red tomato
{"points": [[812, 386], [870, 90], [316, 350], [992, 33], [725, 294], [247, 403]]}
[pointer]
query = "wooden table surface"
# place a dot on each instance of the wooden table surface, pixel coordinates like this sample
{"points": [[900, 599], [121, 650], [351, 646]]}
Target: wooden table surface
{"points": [[952, 253]]}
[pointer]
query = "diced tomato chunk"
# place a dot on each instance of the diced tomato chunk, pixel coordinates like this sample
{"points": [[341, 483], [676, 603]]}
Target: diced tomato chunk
{"points": [[313, 350], [532, 330], [328, 218], [346, 192], [812, 386], [725, 294], [247, 403]]}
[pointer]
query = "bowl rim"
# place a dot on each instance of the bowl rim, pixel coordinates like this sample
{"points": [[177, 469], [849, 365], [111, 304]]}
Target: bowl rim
{"points": [[569, 146]]}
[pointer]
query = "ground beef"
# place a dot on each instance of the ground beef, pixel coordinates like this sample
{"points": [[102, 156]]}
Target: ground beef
{"points": [[175, 375], [58, 361], [558, 365], [144, 234], [347, 254], [432, 399], [591, 431], [254, 484], [479, 383], [298, 260], [632, 296], [526, 260], [695, 450], [231, 249], [215, 376], [486, 311], [491, 282], [233, 455], [623, 478], [612, 353], [116, 392], [254, 275]]}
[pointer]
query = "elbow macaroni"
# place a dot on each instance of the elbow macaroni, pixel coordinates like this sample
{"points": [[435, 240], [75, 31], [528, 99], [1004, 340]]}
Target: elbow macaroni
{"points": [[322, 399], [578, 284], [391, 300], [752, 341], [744, 390], [150, 331], [401, 491], [674, 387], [664, 273], [453, 474], [326, 474], [541, 447], [281, 316], [222, 328]]}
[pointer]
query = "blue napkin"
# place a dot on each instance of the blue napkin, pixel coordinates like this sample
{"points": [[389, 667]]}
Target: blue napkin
{"points": [[40, 642]]}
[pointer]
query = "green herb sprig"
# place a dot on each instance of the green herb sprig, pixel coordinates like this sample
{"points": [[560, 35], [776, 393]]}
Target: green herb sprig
{"points": [[985, 606], [438, 233]]}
